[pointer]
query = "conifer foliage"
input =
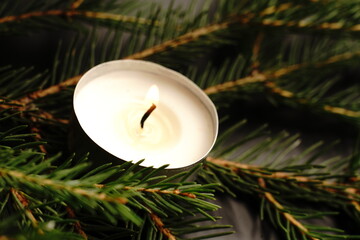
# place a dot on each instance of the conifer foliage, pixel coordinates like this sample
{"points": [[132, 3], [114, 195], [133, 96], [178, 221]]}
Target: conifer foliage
{"points": [[301, 57]]}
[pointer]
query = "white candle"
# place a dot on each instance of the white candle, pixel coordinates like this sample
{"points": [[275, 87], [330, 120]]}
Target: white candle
{"points": [[111, 99]]}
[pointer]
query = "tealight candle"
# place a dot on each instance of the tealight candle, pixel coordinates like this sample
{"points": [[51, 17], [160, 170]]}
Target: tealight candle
{"points": [[138, 110]]}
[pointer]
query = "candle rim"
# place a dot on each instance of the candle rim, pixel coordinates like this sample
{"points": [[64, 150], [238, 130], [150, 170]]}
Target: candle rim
{"points": [[154, 68]]}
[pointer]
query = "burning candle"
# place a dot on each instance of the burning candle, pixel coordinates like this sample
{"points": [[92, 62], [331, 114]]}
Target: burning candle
{"points": [[138, 110]]}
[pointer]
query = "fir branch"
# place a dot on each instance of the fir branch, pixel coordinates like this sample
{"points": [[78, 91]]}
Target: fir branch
{"points": [[48, 91], [277, 9], [184, 39], [181, 40], [154, 190], [44, 115], [77, 224], [268, 196], [274, 74], [151, 190], [6, 238], [341, 111], [346, 190], [231, 85], [73, 13], [37, 136], [322, 26], [237, 167], [255, 53], [353, 192], [161, 226], [24, 203], [76, 4], [331, 109], [59, 186]]}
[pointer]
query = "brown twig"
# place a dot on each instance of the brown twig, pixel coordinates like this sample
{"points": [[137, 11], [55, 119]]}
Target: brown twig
{"points": [[266, 78], [76, 4], [303, 24], [343, 189], [257, 171], [181, 40], [276, 9], [287, 94], [24, 204], [56, 185], [6, 238], [269, 75], [37, 136], [41, 114], [268, 196], [161, 226], [263, 173], [255, 53], [48, 91], [275, 89], [228, 86], [73, 12], [151, 190], [77, 224], [342, 111]]}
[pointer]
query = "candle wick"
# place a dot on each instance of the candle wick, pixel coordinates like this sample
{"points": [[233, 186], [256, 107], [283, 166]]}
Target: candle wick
{"points": [[146, 115]]}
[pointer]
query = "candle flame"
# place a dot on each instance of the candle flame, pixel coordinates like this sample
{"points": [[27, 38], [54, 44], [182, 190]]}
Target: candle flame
{"points": [[152, 96]]}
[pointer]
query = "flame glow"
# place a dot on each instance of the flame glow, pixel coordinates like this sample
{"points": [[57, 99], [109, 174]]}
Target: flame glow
{"points": [[152, 96]]}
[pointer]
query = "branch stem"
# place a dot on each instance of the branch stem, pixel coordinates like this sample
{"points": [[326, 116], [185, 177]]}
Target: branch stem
{"points": [[24, 203], [151, 190], [73, 12], [77, 224], [160, 226], [56, 185], [268, 196], [342, 189]]}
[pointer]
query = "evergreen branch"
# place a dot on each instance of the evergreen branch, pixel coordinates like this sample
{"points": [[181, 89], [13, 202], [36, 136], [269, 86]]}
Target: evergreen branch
{"points": [[203, 31], [152, 190], [255, 53], [259, 172], [76, 4], [303, 22], [5, 238], [300, 24], [229, 86], [37, 136], [183, 39], [24, 203], [237, 167], [277, 9], [270, 75], [268, 196], [77, 224], [48, 91], [73, 12], [342, 111], [59, 186], [160, 226], [335, 110], [41, 114]]}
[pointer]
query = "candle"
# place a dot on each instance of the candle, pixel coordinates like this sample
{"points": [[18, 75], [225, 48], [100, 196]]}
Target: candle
{"points": [[138, 110]]}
